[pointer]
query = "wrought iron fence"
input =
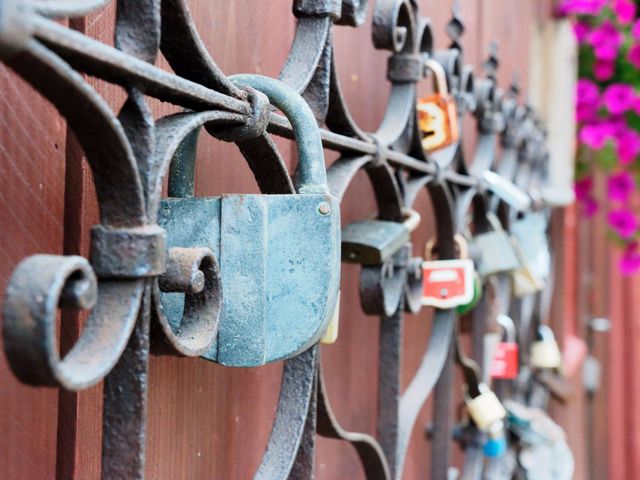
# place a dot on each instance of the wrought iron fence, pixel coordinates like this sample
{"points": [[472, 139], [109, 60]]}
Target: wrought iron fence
{"points": [[166, 275]]}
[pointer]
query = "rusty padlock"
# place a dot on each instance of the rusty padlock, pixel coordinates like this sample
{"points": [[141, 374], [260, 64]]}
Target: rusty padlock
{"points": [[447, 283], [437, 114], [278, 299]]}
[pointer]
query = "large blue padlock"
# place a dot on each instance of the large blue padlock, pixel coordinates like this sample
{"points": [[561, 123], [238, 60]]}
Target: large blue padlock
{"points": [[279, 255]]}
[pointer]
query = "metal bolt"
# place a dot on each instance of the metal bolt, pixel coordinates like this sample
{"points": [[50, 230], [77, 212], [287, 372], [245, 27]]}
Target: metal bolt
{"points": [[324, 208]]}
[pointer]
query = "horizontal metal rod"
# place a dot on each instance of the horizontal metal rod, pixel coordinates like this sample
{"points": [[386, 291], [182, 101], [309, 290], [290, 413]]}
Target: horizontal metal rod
{"points": [[111, 64]]}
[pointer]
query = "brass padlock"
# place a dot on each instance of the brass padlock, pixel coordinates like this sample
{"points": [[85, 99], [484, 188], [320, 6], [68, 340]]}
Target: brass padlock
{"points": [[485, 410], [545, 352], [437, 115]]}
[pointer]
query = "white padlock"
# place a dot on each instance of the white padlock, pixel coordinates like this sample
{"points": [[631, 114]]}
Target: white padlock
{"points": [[545, 352], [486, 409]]}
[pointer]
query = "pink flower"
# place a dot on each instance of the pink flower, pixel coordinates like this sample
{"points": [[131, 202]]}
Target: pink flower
{"points": [[587, 100], [635, 30], [589, 207], [604, 69], [625, 10], [587, 92], [624, 222], [628, 146], [630, 261], [581, 7], [583, 188], [634, 55], [586, 113], [619, 97], [620, 186], [605, 40], [595, 135], [581, 31]]}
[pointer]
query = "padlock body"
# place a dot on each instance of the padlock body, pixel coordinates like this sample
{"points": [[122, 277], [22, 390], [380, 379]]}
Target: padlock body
{"points": [[437, 121], [447, 283], [545, 354], [279, 258], [485, 409], [372, 242], [494, 253], [504, 364]]}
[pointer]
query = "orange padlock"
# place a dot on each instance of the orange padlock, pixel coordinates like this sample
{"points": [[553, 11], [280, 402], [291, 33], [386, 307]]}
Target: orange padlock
{"points": [[437, 114]]}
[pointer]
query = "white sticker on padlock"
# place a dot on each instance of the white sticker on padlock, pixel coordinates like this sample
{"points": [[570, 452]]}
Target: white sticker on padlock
{"points": [[485, 409]]}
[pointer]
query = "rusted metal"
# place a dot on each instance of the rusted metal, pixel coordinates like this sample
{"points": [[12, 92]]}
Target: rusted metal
{"points": [[131, 269]]}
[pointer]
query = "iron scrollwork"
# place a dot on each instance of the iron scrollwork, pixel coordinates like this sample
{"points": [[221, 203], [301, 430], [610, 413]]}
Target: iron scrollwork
{"points": [[131, 155]]}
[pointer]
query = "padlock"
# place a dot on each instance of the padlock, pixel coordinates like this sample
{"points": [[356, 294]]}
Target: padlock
{"points": [[524, 279], [485, 409], [447, 283], [493, 250], [373, 242], [477, 295], [279, 255], [437, 115], [545, 352], [331, 333], [531, 234], [504, 364]]}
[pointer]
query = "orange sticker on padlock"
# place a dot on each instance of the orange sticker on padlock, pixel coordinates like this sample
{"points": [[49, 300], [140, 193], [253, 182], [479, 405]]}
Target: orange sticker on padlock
{"points": [[447, 283]]}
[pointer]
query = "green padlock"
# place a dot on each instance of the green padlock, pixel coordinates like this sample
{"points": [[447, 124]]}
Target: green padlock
{"points": [[477, 295]]}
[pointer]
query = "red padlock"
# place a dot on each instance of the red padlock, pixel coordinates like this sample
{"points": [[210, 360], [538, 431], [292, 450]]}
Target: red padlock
{"points": [[447, 283], [504, 365]]}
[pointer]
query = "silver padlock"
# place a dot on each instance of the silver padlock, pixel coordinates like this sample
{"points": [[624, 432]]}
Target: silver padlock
{"points": [[545, 352], [493, 251], [485, 410], [531, 233]]}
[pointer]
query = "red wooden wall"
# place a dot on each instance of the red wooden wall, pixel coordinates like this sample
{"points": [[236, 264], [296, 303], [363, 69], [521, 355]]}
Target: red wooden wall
{"points": [[206, 421]]}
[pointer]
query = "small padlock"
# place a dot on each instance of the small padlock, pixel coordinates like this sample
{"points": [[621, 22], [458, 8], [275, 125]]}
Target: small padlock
{"points": [[504, 364], [331, 333], [545, 352], [447, 283], [524, 278], [494, 250], [373, 242], [485, 409], [531, 232], [437, 115]]}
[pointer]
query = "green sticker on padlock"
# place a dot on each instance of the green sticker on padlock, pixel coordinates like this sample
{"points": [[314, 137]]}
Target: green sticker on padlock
{"points": [[477, 295]]}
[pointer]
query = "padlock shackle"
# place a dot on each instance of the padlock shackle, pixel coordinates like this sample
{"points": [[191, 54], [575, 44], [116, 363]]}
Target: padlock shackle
{"points": [[440, 76], [506, 322], [411, 218], [311, 167], [460, 241], [545, 333]]}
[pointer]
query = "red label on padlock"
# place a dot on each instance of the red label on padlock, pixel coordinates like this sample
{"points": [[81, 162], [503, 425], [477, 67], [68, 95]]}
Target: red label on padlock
{"points": [[447, 283], [505, 361]]}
